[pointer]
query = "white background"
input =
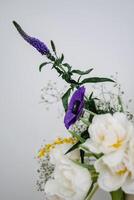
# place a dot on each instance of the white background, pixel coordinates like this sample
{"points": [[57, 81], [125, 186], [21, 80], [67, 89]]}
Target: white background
{"points": [[97, 33]]}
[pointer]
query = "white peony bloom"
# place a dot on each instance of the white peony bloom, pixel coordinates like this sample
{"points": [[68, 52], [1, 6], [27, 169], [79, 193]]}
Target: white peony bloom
{"points": [[71, 181], [113, 174], [109, 133], [112, 135]]}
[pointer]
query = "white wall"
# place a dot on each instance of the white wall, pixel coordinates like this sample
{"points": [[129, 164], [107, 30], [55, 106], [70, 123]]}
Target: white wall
{"points": [[98, 33]]}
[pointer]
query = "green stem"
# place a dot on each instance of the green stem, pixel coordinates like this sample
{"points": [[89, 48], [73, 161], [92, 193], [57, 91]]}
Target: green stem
{"points": [[89, 197], [120, 103], [74, 134], [85, 121], [118, 195], [90, 112], [60, 66]]}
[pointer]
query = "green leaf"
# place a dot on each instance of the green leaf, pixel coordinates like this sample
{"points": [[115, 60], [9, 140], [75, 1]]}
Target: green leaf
{"points": [[42, 65], [82, 72], [92, 192], [65, 98], [59, 71], [82, 153], [79, 138], [96, 80], [67, 78], [118, 195], [85, 134], [90, 97], [62, 58], [68, 66], [87, 166], [57, 62], [50, 57], [75, 146], [53, 46], [121, 104]]}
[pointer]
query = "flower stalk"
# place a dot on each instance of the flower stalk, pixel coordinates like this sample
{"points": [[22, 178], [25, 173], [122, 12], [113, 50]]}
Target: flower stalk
{"points": [[93, 191]]}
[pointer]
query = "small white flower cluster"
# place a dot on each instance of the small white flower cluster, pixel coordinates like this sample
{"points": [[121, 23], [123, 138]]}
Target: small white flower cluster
{"points": [[79, 127], [50, 94], [45, 172], [113, 137]]}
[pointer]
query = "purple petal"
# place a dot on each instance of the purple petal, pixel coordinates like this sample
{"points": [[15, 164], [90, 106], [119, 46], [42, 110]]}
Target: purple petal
{"points": [[75, 107], [40, 46]]}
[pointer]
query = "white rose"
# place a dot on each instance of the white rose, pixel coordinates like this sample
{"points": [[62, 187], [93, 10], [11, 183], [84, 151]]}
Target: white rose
{"points": [[71, 181], [109, 133]]}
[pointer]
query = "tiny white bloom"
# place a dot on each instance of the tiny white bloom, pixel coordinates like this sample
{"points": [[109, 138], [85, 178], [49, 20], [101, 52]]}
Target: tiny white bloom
{"points": [[71, 181]]}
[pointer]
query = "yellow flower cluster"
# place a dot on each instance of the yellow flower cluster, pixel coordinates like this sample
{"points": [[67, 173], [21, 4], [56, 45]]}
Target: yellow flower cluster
{"points": [[57, 141]]}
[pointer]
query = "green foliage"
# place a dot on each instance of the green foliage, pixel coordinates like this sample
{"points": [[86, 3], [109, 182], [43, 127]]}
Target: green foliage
{"points": [[65, 98], [83, 136], [60, 72], [118, 195], [96, 80], [79, 138], [75, 146], [53, 46], [42, 65], [65, 71], [82, 72], [62, 58], [68, 67], [82, 154]]}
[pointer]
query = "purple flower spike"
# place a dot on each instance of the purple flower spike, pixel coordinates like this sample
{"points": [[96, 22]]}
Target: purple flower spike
{"points": [[40, 46], [75, 107]]}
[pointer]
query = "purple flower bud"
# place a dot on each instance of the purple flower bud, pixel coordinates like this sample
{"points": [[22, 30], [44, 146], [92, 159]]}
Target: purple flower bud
{"points": [[40, 46], [75, 107]]}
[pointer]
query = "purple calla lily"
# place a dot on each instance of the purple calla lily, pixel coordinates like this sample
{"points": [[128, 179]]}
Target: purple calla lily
{"points": [[40, 46], [75, 107]]}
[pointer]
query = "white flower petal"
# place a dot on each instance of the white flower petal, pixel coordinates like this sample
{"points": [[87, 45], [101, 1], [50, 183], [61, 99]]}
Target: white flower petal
{"points": [[100, 166], [59, 151], [128, 186], [110, 182], [114, 158], [51, 187], [71, 181], [109, 133], [54, 197], [91, 146]]}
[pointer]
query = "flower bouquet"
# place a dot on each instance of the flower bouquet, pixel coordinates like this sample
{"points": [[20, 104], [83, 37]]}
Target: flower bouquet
{"points": [[99, 152]]}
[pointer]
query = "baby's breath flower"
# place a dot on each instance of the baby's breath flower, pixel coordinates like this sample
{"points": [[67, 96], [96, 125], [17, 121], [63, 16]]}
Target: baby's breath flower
{"points": [[45, 172]]}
